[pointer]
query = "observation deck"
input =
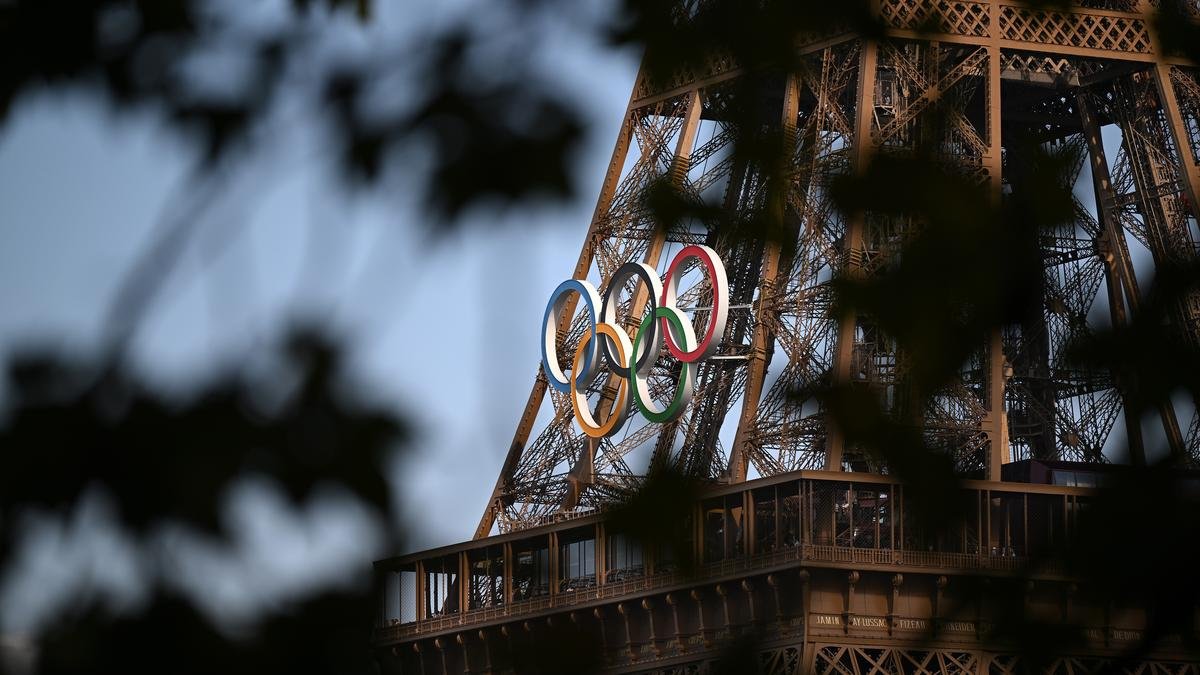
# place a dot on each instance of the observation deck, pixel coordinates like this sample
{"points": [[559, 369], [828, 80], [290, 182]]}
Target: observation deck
{"points": [[807, 562]]}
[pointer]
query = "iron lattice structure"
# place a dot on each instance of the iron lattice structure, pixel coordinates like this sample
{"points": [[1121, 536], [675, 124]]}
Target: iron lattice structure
{"points": [[988, 69]]}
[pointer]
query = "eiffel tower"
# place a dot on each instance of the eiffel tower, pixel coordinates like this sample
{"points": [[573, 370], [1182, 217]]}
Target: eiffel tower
{"points": [[802, 531], [994, 67]]}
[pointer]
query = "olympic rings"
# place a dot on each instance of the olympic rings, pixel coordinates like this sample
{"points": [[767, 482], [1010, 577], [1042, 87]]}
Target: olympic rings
{"points": [[632, 362]]}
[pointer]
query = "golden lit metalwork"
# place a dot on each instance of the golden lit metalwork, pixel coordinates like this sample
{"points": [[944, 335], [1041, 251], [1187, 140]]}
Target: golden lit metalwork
{"points": [[800, 538]]}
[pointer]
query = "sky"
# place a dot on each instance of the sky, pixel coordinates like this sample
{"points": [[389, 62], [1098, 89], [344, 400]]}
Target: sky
{"points": [[441, 328]]}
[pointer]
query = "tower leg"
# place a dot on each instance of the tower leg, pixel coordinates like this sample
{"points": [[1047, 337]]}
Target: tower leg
{"points": [[763, 341], [864, 113], [995, 424], [1118, 271]]}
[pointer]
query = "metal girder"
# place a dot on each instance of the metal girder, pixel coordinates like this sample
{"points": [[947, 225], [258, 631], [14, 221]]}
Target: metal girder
{"points": [[1123, 36]]}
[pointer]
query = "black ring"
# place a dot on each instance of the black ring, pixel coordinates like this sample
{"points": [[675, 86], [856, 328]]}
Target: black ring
{"points": [[615, 283]]}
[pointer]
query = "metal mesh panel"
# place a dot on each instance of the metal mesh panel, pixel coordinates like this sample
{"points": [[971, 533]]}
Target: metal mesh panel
{"points": [[676, 548], [867, 506], [441, 586], [828, 515], [789, 515], [1006, 518], [486, 568], [577, 559], [766, 520], [1046, 524], [915, 535], [624, 558], [713, 513], [400, 600], [531, 568], [965, 535]]}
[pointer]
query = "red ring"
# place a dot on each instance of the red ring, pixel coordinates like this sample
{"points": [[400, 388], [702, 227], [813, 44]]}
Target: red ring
{"points": [[705, 255]]}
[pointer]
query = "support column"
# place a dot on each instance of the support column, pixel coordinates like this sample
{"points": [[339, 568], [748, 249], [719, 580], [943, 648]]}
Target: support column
{"points": [[554, 573], [751, 604], [894, 601], [805, 612], [652, 635], [723, 593], [508, 574], [1189, 176], [773, 583], [422, 592], [601, 549], [673, 602], [763, 343], [630, 646], [749, 527], [461, 640], [1118, 271], [487, 652], [848, 612], [706, 634], [852, 247], [1169, 240], [464, 582], [442, 646], [598, 613], [1189, 172], [995, 423]]}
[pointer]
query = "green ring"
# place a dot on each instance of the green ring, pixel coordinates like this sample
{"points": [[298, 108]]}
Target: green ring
{"points": [[677, 401]]}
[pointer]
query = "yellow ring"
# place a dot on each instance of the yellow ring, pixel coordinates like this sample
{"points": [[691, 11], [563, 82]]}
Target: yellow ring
{"points": [[579, 402]]}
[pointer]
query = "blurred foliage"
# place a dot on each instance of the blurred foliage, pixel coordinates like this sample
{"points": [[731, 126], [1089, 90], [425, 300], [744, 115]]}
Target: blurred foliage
{"points": [[1152, 359], [327, 634], [1177, 31], [683, 36], [658, 514], [71, 430], [475, 129], [146, 54], [555, 647], [71, 427]]}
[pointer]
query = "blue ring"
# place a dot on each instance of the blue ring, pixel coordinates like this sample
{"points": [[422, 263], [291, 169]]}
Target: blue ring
{"points": [[583, 378]]}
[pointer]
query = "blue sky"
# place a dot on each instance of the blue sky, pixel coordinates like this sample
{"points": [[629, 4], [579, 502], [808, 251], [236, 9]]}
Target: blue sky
{"points": [[443, 328]]}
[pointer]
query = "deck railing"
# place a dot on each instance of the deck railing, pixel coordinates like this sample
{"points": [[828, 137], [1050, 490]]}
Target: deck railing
{"points": [[714, 571]]}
